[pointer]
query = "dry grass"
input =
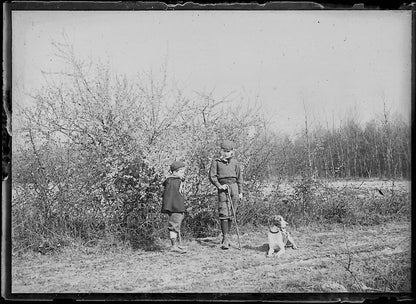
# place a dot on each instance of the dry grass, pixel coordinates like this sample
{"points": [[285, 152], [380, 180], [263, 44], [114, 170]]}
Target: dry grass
{"points": [[378, 259], [363, 246]]}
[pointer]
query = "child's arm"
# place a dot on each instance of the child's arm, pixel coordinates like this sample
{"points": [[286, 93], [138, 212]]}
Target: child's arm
{"points": [[213, 174]]}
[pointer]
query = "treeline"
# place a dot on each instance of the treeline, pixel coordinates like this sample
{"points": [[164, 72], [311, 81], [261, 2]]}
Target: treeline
{"points": [[379, 149]]}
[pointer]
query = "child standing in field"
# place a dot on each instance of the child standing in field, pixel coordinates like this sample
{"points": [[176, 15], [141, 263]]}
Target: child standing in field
{"points": [[225, 173], [173, 203]]}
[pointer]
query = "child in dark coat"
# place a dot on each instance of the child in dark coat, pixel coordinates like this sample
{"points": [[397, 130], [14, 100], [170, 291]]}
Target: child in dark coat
{"points": [[173, 203]]}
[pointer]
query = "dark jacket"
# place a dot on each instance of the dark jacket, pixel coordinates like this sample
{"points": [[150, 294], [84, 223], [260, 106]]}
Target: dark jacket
{"points": [[173, 200], [222, 170]]}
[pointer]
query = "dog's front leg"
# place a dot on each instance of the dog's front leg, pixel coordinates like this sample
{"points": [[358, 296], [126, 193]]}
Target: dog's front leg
{"points": [[281, 251], [270, 252]]}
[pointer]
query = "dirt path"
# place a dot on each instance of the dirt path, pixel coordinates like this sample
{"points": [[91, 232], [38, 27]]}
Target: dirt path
{"points": [[317, 266]]}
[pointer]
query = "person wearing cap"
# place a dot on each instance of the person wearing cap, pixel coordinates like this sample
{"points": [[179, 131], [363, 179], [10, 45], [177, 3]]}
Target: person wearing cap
{"points": [[173, 203], [225, 174]]}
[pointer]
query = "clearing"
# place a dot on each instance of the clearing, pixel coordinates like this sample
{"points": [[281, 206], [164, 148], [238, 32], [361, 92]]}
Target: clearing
{"points": [[334, 259]]}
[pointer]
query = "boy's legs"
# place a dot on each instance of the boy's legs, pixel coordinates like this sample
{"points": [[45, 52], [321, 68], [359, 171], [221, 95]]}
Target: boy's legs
{"points": [[225, 212], [175, 220], [225, 243], [224, 216]]}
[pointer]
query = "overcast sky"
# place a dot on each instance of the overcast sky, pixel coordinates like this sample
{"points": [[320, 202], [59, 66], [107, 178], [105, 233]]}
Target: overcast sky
{"points": [[331, 61]]}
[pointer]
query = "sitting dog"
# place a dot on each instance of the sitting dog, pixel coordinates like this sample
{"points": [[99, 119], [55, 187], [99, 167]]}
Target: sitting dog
{"points": [[278, 237]]}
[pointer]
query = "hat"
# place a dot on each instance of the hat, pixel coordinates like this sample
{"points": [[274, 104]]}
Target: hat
{"points": [[176, 165], [227, 145]]}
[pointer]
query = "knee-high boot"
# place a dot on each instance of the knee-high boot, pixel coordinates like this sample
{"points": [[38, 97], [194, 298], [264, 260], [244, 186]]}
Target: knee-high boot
{"points": [[224, 229]]}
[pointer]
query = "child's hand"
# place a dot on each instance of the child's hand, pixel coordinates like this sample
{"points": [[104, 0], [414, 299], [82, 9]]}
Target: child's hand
{"points": [[240, 196], [223, 187]]}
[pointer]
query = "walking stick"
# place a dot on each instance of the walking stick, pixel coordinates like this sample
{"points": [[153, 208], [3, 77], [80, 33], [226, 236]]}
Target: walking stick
{"points": [[235, 216]]}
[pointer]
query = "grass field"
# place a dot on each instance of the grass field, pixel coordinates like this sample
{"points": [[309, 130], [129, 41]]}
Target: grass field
{"points": [[331, 258], [372, 259]]}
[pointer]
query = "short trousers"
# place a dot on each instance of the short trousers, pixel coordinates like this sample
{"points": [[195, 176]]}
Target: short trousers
{"points": [[225, 211], [175, 221]]}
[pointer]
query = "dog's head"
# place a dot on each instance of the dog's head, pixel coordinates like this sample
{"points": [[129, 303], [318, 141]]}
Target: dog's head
{"points": [[278, 221]]}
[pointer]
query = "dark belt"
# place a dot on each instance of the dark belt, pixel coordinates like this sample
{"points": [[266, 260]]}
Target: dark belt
{"points": [[227, 180]]}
